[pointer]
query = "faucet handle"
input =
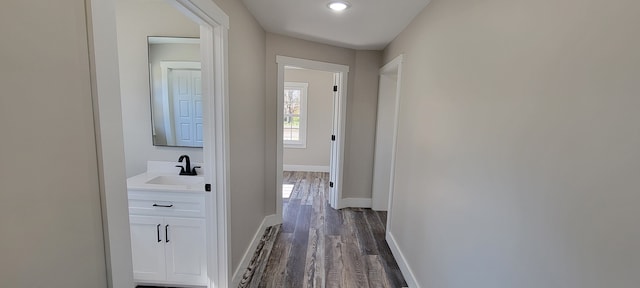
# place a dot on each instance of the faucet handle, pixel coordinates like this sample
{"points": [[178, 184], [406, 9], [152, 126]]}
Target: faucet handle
{"points": [[193, 171], [182, 172]]}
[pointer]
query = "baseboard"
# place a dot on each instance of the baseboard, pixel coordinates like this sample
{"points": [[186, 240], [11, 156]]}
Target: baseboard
{"points": [[306, 168], [271, 220], [268, 221], [402, 262], [355, 203]]}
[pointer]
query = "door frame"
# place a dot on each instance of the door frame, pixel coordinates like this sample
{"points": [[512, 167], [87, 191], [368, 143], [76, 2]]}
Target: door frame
{"points": [[393, 67], [105, 83], [341, 72]]}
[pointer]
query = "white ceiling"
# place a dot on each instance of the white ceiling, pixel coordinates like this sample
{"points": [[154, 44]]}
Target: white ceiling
{"points": [[367, 24]]}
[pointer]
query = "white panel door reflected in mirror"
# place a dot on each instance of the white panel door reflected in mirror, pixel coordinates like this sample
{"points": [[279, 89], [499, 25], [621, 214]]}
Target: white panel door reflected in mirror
{"points": [[176, 91]]}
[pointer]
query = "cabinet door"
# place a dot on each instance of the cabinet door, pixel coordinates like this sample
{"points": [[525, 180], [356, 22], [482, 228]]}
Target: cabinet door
{"points": [[185, 248], [148, 248]]}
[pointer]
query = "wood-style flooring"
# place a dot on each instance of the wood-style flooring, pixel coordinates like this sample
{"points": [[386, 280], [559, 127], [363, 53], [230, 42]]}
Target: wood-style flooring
{"points": [[317, 246]]}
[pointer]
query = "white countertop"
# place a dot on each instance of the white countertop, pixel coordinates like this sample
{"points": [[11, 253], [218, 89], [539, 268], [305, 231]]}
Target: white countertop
{"points": [[139, 182]]}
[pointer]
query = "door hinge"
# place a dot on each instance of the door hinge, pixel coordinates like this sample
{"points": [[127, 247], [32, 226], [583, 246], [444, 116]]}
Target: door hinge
{"points": [[335, 88], [333, 137], [207, 187], [331, 184]]}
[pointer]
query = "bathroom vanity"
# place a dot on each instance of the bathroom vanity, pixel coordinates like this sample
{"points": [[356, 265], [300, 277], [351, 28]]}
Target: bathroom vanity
{"points": [[167, 218]]}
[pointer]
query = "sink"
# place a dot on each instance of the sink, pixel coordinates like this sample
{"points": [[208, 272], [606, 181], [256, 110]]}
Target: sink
{"points": [[176, 180]]}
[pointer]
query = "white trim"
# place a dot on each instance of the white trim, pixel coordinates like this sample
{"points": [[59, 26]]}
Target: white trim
{"points": [[397, 61], [392, 66], [341, 74], [355, 203], [203, 11], [402, 262], [291, 62], [271, 220], [268, 221], [103, 52], [107, 111], [389, 70], [306, 168], [304, 88], [172, 40]]}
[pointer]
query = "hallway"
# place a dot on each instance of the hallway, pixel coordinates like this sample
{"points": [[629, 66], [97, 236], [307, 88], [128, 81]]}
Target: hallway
{"points": [[317, 246]]}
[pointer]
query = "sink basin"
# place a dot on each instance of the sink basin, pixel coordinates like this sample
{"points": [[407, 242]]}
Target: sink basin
{"points": [[176, 180]]}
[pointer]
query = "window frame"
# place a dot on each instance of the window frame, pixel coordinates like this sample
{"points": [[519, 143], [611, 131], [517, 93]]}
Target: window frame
{"points": [[302, 143]]}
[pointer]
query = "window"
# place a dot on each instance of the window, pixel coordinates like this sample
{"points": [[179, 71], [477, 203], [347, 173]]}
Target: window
{"points": [[295, 115]]}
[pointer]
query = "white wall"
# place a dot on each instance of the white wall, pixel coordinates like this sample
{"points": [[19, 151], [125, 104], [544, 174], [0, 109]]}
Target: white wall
{"points": [[50, 213], [137, 19], [319, 118], [361, 110], [518, 145]]}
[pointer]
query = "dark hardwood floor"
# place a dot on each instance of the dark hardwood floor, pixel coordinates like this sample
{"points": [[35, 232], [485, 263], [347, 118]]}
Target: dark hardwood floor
{"points": [[317, 246]]}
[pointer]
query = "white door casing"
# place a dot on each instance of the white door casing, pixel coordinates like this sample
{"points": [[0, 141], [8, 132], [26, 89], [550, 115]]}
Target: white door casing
{"points": [[386, 135]]}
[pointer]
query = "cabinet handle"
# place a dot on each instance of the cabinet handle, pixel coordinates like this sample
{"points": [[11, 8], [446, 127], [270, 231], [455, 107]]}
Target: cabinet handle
{"points": [[158, 230], [164, 206], [166, 233]]}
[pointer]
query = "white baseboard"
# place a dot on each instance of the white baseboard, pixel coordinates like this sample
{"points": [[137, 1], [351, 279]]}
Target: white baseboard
{"points": [[306, 168], [355, 203], [402, 262], [248, 254], [271, 220]]}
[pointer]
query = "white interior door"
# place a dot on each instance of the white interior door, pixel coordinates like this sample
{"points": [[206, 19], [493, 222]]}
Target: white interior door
{"points": [[186, 92], [147, 246], [385, 139]]}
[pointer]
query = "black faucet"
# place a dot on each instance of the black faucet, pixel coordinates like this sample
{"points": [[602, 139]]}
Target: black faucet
{"points": [[186, 169]]}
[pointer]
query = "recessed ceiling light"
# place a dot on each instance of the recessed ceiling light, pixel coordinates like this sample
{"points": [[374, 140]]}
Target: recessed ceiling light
{"points": [[338, 6]]}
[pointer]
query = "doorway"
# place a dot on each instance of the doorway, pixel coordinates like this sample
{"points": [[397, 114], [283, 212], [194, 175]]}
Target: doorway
{"points": [[214, 25], [339, 90], [386, 134]]}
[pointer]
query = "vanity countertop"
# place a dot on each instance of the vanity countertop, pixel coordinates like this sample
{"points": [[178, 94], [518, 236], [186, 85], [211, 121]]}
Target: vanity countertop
{"points": [[164, 176], [163, 182]]}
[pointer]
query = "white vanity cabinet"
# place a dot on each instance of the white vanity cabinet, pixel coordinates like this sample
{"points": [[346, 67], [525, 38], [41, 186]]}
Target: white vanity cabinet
{"points": [[168, 239]]}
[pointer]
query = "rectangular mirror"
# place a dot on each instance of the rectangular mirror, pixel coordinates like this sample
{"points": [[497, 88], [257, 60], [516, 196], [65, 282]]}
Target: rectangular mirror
{"points": [[176, 91]]}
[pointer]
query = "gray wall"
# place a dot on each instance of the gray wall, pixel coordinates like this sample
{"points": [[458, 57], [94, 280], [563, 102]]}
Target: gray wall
{"points": [[518, 145], [137, 19], [361, 109], [361, 126], [319, 118], [49, 198]]}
